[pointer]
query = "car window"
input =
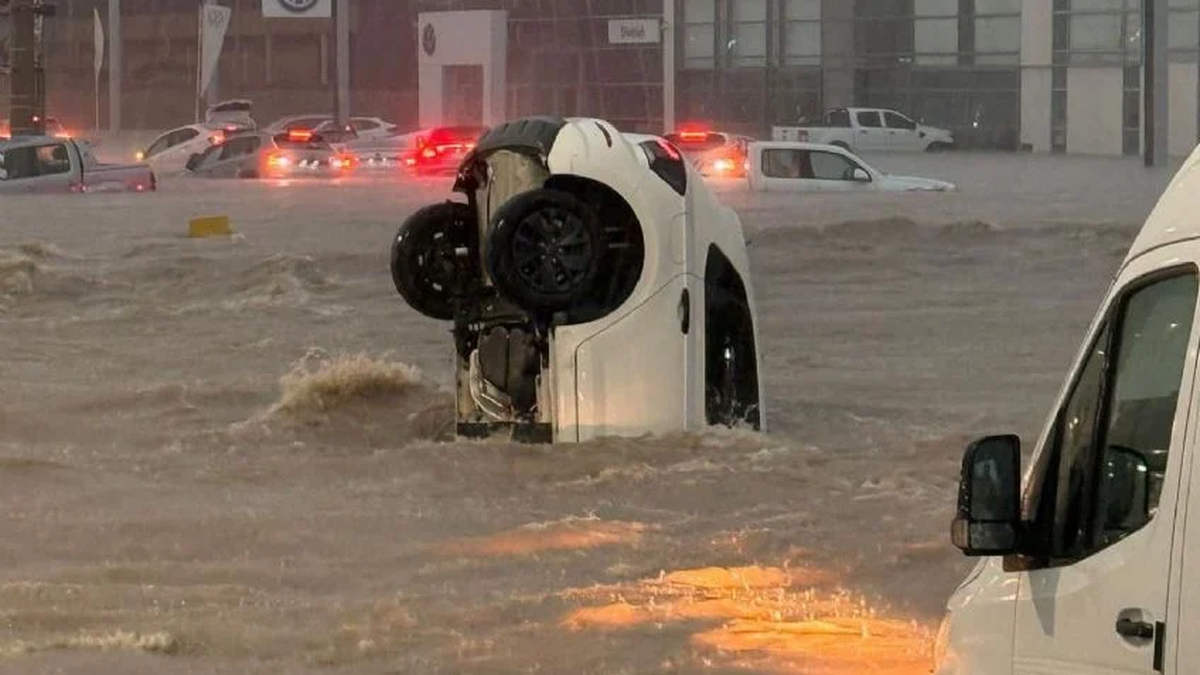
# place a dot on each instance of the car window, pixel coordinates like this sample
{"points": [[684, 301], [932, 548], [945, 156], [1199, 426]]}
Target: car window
{"points": [[1100, 477], [783, 163], [207, 158], [3, 168], [869, 119], [897, 121], [53, 159], [160, 144], [364, 124], [239, 147], [837, 118], [183, 136], [831, 166]]}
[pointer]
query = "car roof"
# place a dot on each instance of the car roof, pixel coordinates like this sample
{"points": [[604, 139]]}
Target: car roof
{"points": [[23, 141], [1173, 218], [801, 145]]}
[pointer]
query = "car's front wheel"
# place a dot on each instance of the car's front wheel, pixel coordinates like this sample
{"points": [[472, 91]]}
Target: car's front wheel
{"points": [[427, 264]]}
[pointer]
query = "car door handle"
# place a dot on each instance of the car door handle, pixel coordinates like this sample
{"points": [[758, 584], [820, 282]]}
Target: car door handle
{"points": [[1129, 628]]}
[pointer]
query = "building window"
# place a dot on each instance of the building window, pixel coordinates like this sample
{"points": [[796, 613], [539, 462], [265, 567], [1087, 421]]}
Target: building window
{"points": [[1184, 32], [935, 32], [748, 37], [802, 33], [699, 34]]}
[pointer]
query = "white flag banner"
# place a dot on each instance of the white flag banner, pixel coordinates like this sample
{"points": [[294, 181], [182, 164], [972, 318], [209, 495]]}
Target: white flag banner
{"points": [[98, 59], [297, 9], [214, 21]]}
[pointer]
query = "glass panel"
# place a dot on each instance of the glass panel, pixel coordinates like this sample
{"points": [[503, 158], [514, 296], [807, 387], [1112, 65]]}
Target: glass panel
{"points": [[998, 34], [1151, 354], [1096, 31], [802, 39], [781, 163], [997, 7], [805, 10], [749, 10], [935, 8], [698, 45], [936, 36], [828, 166], [1097, 5], [699, 11], [750, 44], [1184, 32]]}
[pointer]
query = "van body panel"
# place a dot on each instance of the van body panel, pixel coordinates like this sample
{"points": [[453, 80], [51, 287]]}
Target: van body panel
{"points": [[1065, 615]]}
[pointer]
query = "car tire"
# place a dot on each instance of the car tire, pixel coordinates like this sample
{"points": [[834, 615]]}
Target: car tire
{"points": [[937, 146], [543, 250], [425, 263]]}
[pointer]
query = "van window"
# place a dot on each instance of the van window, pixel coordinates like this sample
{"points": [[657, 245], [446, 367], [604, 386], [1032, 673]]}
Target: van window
{"points": [[1100, 477], [830, 166], [33, 161], [897, 121], [783, 163]]}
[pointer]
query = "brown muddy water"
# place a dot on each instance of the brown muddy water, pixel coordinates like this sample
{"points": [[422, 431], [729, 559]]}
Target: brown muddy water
{"points": [[230, 455]]}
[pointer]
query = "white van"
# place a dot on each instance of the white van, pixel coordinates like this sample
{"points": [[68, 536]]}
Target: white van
{"points": [[1092, 566]]}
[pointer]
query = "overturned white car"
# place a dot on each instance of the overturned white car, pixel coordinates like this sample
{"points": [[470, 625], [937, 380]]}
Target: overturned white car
{"points": [[596, 286]]}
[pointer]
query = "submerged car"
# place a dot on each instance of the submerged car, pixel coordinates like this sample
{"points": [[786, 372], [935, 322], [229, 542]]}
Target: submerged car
{"points": [[263, 155], [596, 286], [440, 150], [789, 166], [44, 164], [716, 154]]}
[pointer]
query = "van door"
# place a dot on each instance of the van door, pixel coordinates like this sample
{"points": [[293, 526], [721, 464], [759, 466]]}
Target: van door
{"points": [[1100, 502]]}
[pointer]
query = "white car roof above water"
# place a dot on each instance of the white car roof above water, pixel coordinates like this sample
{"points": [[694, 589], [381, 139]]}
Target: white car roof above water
{"points": [[1174, 218]]}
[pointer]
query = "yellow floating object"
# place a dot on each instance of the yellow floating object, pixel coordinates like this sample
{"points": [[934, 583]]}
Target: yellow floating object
{"points": [[210, 226]]}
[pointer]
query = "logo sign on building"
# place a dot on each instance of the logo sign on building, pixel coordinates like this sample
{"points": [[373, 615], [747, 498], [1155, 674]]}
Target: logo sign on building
{"points": [[297, 9], [214, 23], [634, 31]]}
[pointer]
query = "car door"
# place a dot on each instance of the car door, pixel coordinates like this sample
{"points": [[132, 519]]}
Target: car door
{"points": [[1094, 593], [234, 153], [870, 136], [37, 169], [902, 135], [178, 150]]}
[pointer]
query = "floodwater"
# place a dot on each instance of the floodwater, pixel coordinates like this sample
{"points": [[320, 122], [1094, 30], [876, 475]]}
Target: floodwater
{"points": [[229, 455]]}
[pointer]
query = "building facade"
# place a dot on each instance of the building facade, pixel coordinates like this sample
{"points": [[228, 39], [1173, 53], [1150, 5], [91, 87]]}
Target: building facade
{"points": [[1054, 75]]}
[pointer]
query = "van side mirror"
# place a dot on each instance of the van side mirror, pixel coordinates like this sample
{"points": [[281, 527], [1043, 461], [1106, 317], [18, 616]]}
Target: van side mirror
{"points": [[861, 176], [989, 498]]}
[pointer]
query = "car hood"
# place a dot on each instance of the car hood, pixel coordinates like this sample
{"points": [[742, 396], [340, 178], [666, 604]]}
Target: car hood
{"points": [[915, 184]]}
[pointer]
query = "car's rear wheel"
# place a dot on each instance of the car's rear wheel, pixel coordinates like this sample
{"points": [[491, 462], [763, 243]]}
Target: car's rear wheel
{"points": [[544, 249], [427, 268]]}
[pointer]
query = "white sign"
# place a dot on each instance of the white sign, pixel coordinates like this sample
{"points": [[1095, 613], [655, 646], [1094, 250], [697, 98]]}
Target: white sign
{"points": [[297, 9], [214, 21], [634, 31]]}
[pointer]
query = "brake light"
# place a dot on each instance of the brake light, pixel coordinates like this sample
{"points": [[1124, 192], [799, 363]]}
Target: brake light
{"points": [[279, 161], [217, 139], [429, 153], [693, 136], [342, 162], [300, 135], [722, 165]]}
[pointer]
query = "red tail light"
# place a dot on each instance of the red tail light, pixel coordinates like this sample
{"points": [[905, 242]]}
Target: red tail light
{"points": [[693, 136], [300, 135], [429, 153]]}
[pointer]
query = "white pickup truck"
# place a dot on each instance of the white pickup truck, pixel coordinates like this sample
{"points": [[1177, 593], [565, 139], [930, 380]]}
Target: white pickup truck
{"points": [[869, 130], [41, 164]]}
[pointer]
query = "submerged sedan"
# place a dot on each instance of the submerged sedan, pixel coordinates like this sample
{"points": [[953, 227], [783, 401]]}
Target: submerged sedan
{"points": [[293, 154], [789, 166]]}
